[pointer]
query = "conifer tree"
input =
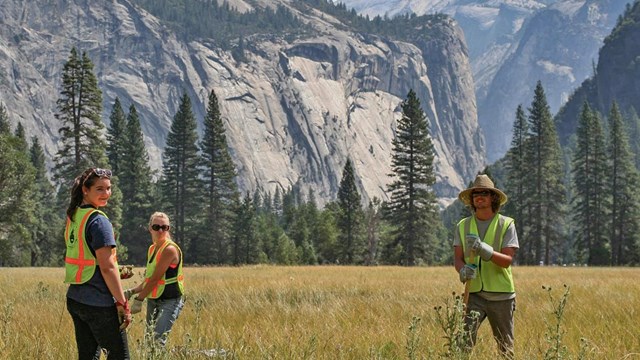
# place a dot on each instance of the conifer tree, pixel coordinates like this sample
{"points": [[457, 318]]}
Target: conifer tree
{"points": [[373, 227], [5, 127], [116, 137], [412, 206], [350, 218], [79, 110], [589, 174], [136, 187], [47, 249], [181, 184], [517, 170], [16, 202], [220, 189], [246, 244], [544, 187], [623, 180]]}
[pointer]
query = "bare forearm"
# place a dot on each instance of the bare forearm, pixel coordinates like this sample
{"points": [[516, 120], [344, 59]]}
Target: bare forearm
{"points": [[111, 277]]}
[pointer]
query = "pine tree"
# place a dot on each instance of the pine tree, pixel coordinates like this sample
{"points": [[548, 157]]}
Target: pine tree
{"points": [[181, 184], [350, 218], [116, 137], [47, 250], [544, 187], [221, 191], [246, 245], [79, 111], [412, 206], [373, 221], [517, 169], [16, 202], [135, 179], [5, 127], [625, 203], [589, 174]]}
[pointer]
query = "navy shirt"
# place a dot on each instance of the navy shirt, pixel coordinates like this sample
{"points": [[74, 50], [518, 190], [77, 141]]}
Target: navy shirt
{"points": [[98, 234]]}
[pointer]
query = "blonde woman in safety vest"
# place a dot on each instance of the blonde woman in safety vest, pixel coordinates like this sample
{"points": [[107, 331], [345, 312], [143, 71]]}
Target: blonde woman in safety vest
{"points": [[163, 285], [485, 245], [95, 299]]}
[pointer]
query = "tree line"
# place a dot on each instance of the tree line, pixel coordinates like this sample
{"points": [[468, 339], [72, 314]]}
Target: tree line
{"points": [[571, 205]]}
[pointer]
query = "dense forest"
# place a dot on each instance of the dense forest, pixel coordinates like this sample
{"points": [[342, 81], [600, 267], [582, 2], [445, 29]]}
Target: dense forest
{"points": [[574, 201]]}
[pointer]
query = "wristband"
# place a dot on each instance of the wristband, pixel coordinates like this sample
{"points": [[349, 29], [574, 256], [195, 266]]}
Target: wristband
{"points": [[125, 305]]}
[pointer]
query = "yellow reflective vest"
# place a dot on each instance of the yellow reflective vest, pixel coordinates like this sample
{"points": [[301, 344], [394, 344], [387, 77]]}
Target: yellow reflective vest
{"points": [[79, 262], [491, 277], [151, 266]]}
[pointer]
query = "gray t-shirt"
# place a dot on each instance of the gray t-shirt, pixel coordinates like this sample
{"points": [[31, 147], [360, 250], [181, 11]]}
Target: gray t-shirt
{"points": [[510, 240]]}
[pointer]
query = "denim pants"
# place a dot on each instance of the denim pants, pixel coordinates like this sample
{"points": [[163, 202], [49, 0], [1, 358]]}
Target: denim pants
{"points": [[161, 314], [98, 328]]}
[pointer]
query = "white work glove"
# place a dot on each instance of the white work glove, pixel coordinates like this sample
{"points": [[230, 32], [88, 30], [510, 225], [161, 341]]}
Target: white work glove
{"points": [[128, 294], [483, 249], [467, 272], [137, 305]]}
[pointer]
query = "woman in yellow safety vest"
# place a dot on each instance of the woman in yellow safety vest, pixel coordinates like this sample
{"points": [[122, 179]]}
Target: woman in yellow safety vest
{"points": [[163, 285], [95, 299]]}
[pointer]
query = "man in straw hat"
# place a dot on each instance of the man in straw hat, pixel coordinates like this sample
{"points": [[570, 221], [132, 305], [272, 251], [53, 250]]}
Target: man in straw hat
{"points": [[484, 247]]}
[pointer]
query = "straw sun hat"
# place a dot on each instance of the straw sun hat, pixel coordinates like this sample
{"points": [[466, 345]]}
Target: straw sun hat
{"points": [[482, 182]]}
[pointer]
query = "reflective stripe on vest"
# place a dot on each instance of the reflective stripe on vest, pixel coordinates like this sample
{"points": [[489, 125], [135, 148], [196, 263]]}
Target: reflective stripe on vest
{"points": [[158, 289], [80, 264], [491, 277]]}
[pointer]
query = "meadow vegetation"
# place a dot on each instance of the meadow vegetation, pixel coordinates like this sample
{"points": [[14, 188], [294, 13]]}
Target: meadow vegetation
{"points": [[339, 312]]}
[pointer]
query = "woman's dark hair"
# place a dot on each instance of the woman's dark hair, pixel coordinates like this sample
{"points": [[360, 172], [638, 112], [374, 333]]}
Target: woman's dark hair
{"points": [[87, 178]]}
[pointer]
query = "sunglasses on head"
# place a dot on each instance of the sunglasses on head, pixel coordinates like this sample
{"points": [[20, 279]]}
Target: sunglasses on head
{"points": [[481, 193], [156, 227], [102, 172]]}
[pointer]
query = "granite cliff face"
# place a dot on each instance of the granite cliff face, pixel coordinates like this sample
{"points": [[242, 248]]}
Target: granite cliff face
{"points": [[294, 110], [513, 44]]}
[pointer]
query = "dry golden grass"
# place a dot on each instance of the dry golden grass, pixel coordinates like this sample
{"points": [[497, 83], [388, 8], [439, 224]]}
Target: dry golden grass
{"points": [[268, 312]]}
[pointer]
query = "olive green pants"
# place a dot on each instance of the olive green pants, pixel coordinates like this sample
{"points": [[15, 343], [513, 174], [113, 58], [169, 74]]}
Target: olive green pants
{"points": [[500, 315]]}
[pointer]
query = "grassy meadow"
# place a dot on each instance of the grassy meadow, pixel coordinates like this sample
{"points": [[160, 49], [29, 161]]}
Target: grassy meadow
{"points": [[336, 312]]}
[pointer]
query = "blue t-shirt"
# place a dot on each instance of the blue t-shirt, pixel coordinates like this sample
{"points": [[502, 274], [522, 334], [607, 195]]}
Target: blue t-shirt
{"points": [[98, 234]]}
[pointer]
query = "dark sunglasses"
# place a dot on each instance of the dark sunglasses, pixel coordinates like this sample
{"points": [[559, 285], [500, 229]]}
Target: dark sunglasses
{"points": [[102, 172], [156, 227], [481, 193]]}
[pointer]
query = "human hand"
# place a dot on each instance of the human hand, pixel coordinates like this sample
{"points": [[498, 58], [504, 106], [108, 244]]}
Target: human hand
{"points": [[126, 271], [124, 314], [481, 248], [467, 272], [128, 294], [137, 306]]}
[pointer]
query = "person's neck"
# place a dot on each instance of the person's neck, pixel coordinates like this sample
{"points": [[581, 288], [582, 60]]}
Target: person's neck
{"points": [[485, 214]]}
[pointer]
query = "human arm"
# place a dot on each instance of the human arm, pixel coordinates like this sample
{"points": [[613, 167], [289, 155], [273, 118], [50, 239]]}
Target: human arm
{"points": [[169, 256], [111, 275]]}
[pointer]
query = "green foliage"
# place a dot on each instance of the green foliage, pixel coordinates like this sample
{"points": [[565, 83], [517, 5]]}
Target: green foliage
{"points": [[412, 206], [590, 183], [621, 183], [79, 110], [544, 186], [47, 249], [135, 182], [196, 19], [181, 184], [16, 202], [350, 218], [450, 318], [221, 198], [555, 334]]}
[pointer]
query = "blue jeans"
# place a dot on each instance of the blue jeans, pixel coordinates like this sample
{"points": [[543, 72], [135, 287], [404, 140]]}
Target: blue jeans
{"points": [[163, 313], [98, 328]]}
